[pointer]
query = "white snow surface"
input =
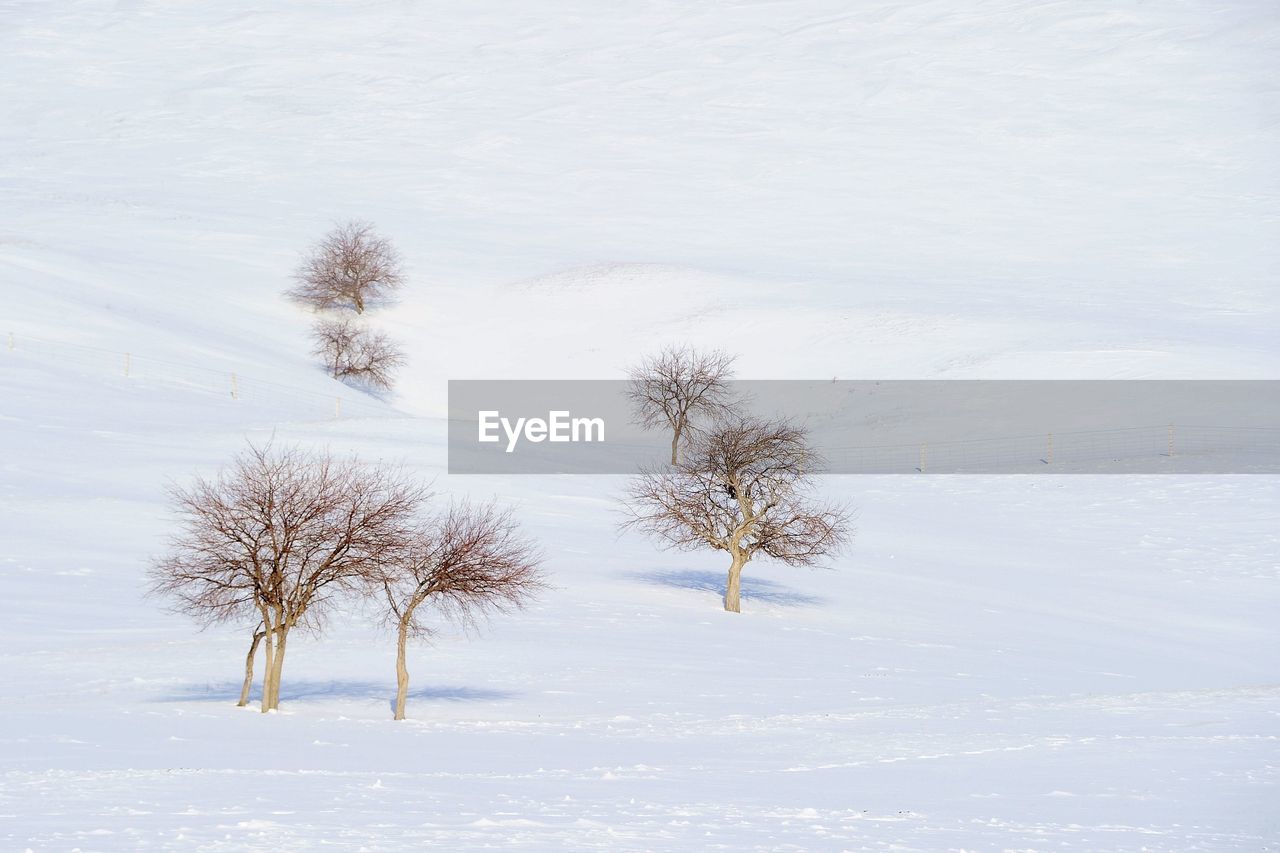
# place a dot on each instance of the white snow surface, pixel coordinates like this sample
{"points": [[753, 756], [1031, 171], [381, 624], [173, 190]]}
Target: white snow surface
{"points": [[889, 189]]}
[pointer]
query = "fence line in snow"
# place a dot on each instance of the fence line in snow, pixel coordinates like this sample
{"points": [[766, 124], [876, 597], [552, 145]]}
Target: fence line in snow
{"points": [[983, 454], [1059, 448], [228, 382]]}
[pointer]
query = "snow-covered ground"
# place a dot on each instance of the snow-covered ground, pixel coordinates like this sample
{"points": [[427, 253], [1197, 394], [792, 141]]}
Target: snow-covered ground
{"points": [[883, 190]]}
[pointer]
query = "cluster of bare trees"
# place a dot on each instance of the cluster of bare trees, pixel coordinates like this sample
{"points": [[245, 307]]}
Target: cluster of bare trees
{"points": [[736, 483], [282, 537], [352, 268]]}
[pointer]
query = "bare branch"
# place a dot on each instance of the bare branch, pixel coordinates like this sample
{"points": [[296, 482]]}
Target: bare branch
{"points": [[468, 561]]}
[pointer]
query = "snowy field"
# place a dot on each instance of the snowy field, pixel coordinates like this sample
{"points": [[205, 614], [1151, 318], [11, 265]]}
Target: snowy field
{"points": [[893, 189]]}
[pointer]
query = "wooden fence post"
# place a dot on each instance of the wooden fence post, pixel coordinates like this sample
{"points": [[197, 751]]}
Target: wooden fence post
{"points": [[1170, 439], [126, 364], [1049, 454], [337, 407], [924, 457]]}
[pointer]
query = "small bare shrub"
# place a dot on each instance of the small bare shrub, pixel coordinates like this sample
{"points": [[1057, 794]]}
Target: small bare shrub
{"points": [[355, 354]]}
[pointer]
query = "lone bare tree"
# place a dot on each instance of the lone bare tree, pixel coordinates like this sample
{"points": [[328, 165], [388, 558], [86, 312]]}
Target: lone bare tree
{"points": [[356, 354], [275, 537], [744, 488], [670, 389], [350, 268], [467, 562]]}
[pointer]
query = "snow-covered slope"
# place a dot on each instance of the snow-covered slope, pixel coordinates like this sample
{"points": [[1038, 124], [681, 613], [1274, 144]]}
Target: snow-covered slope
{"points": [[893, 190]]}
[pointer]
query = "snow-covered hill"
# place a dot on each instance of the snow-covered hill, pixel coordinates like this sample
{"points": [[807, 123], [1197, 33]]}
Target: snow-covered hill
{"points": [[893, 190]]}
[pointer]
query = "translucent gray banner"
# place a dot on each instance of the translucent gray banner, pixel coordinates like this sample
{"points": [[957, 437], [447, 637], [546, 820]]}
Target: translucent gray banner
{"points": [[894, 426]]}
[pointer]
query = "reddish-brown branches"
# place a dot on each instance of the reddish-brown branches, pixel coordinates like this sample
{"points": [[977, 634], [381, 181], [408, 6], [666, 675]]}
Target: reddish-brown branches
{"points": [[356, 354], [276, 536], [351, 267]]}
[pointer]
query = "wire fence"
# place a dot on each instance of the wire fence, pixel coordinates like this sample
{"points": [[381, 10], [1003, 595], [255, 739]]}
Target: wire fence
{"points": [[227, 382], [1261, 445]]}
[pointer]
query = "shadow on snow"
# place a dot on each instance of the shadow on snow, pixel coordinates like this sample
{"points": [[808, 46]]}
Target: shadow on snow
{"points": [[753, 589], [302, 691]]}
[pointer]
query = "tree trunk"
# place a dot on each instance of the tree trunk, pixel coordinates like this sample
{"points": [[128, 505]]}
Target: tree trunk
{"points": [[402, 671], [268, 666], [277, 668], [248, 668], [732, 601], [675, 445], [359, 300]]}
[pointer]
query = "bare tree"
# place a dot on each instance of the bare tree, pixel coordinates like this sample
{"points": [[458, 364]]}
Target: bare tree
{"points": [[356, 354], [670, 389], [468, 562], [350, 268], [742, 488], [275, 537]]}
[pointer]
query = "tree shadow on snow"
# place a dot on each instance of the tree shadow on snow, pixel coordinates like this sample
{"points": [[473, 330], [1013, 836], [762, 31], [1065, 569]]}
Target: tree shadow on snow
{"points": [[302, 691], [753, 589]]}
